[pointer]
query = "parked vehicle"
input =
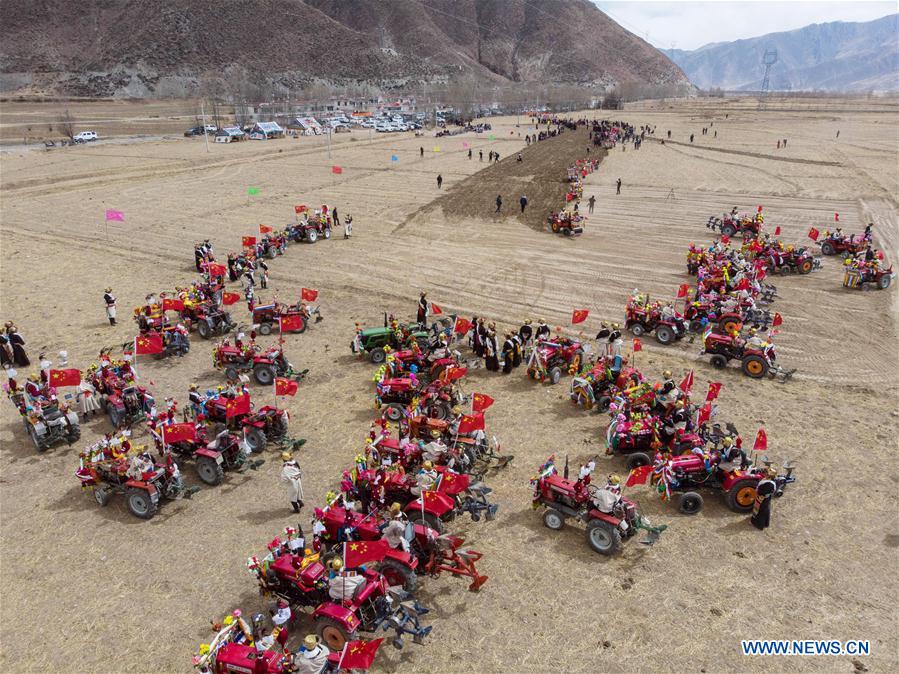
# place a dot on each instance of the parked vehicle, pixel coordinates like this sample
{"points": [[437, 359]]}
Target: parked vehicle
{"points": [[85, 136]]}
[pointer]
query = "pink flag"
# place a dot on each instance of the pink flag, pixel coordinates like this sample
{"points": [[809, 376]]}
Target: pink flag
{"points": [[114, 215], [464, 145]]}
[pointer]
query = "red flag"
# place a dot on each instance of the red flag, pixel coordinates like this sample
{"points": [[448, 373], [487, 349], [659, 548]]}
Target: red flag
{"points": [[683, 290], [308, 295], [435, 309], [299, 209], [248, 241], [725, 239], [813, 234], [65, 377], [760, 209], [147, 344], [743, 284], [357, 553], [638, 345], [638, 475], [480, 402], [880, 255], [687, 384], [172, 304], [285, 387], [579, 316], [237, 406], [471, 422], [230, 298], [337, 169], [777, 320], [714, 390], [761, 441], [291, 322], [836, 217], [453, 373], [216, 269], [359, 654], [777, 231], [705, 413], [462, 326], [265, 229], [178, 433]]}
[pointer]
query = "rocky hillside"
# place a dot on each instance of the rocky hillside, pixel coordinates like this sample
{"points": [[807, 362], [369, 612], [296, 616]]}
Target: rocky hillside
{"points": [[836, 56], [163, 47]]}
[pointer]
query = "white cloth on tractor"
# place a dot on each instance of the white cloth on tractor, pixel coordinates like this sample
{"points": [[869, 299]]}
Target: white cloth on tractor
{"points": [[605, 500], [344, 587], [312, 661]]}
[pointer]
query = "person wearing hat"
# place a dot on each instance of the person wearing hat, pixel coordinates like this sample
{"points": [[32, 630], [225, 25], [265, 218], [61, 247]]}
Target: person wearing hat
{"points": [[292, 476], [281, 616], [761, 509], [526, 332], [508, 353], [109, 300], [542, 330], [312, 657], [426, 479], [395, 531], [422, 316], [12, 347]]}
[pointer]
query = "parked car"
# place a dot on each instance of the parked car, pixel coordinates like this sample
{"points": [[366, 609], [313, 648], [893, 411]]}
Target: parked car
{"points": [[85, 136]]}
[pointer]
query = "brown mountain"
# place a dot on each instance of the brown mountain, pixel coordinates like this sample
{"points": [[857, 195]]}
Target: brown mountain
{"points": [[166, 47]]}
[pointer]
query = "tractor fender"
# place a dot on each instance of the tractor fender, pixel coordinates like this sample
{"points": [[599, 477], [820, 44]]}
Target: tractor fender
{"points": [[402, 557], [341, 614], [205, 451], [140, 484], [605, 517], [253, 423], [736, 476], [72, 418]]}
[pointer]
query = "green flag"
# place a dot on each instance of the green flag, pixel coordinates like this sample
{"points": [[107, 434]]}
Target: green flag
{"points": [[491, 137], [253, 190]]}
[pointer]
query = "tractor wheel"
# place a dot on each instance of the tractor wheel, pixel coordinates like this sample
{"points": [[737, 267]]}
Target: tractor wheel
{"points": [[884, 281], [115, 417], [36, 439], [755, 366], [690, 503], [553, 519], [555, 227], [638, 329], [555, 374], [102, 495], [718, 361], [664, 335], [74, 434], [567, 231], [866, 286], [140, 504], [427, 519], [602, 403], [255, 439], [312, 236], [204, 330], [394, 412], [441, 411], [210, 471], [303, 325], [377, 356], [231, 373], [264, 374], [729, 324], [637, 459], [327, 233], [828, 249], [785, 270], [728, 229], [806, 266], [696, 325], [581, 399], [741, 496], [398, 574], [265, 329], [603, 537], [332, 633]]}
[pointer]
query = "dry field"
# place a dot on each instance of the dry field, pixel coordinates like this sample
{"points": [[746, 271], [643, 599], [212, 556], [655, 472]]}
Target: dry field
{"points": [[91, 589]]}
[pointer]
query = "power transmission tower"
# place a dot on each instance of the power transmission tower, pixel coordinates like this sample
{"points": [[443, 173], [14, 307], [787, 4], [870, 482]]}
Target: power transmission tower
{"points": [[768, 60]]}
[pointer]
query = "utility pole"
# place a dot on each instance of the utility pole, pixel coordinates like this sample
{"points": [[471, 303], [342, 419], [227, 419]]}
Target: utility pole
{"points": [[329, 140], [205, 132]]}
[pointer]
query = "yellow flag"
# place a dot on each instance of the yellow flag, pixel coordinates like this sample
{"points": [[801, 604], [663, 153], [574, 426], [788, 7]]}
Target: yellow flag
{"points": [[436, 148]]}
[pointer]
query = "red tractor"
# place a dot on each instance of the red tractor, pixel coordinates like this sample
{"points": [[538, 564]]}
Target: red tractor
{"points": [[316, 227], [643, 317], [566, 223], [550, 359], [845, 246], [110, 469], [729, 224], [687, 473], [609, 517], [395, 395], [792, 261], [429, 551], [232, 650], [866, 277], [265, 365], [268, 317], [258, 426], [125, 403], [757, 359], [208, 319], [303, 581], [596, 388], [213, 455]]}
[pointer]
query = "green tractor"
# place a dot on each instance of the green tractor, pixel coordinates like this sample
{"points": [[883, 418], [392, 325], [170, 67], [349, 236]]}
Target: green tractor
{"points": [[372, 341]]}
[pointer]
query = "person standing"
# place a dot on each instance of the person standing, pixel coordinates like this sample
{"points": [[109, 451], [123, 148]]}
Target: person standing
{"points": [[691, 137], [508, 353], [523, 202], [109, 299], [618, 187], [421, 152], [499, 203], [13, 347], [348, 226], [491, 351], [480, 155], [439, 181], [334, 217], [590, 203], [292, 476], [761, 509], [469, 153], [263, 271], [422, 315]]}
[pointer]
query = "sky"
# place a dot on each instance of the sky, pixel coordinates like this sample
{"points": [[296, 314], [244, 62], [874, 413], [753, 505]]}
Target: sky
{"points": [[686, 24]]}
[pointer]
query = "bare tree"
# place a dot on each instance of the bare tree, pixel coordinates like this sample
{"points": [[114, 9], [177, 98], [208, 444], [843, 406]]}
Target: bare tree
{"points": [[66, 124]]}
